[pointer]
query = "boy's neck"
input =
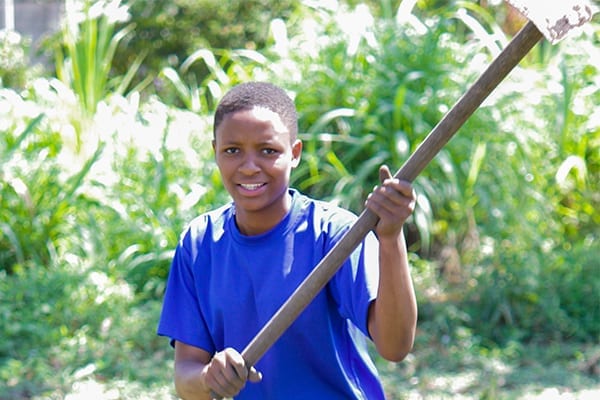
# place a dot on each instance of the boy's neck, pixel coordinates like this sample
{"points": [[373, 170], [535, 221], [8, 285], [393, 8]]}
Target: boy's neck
{"points": [[255, 223]]}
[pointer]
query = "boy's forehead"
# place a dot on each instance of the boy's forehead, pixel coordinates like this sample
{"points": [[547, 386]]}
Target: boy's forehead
{"points": [[261, 114], [265, 114]]}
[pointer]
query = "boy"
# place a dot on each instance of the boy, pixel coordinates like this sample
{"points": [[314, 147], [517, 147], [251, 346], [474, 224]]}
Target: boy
{"points": [[236, 265]]}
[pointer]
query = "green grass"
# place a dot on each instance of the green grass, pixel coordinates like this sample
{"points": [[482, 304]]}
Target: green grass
{"points": [[443, 370], [436, 369]]}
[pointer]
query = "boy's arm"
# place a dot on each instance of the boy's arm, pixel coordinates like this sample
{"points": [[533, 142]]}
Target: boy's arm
{"points": [[199, 375], [392, 316], [190, 372]]}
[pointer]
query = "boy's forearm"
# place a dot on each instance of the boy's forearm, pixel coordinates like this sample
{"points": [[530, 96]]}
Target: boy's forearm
{"points": [[394, 318], [189, 382]]}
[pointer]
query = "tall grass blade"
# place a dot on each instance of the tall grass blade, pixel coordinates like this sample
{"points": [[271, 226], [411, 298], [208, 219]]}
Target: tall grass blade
{"points": [[75, 181], [210, 61], [180, 87], [475, 165], [329, 116], [7, 154], [126, 80]]}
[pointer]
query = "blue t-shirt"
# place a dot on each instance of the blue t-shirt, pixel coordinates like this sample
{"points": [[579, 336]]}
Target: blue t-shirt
{"points": [[224, 286]]}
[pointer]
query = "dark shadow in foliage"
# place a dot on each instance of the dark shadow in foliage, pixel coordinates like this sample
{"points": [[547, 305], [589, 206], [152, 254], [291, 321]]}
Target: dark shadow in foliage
{"points": [[172, 30]]}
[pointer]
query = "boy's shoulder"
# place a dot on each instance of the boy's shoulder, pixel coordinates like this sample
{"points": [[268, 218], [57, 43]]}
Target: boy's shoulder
{"points": [[327, 211], [212, 219]]}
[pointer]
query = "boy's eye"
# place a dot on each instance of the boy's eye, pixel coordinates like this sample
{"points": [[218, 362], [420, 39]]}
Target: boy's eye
{"points": [[231, 150], [269, 151]]}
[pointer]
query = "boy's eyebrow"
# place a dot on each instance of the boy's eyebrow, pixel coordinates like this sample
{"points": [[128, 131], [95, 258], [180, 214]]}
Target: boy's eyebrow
{"points": [[233, 142]]}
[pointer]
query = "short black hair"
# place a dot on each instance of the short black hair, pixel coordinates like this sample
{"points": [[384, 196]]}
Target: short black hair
{"points": [[246, 96]]}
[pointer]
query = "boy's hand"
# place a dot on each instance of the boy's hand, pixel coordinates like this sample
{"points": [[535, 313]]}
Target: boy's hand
{"points": [[227, 374], [393, 201]]}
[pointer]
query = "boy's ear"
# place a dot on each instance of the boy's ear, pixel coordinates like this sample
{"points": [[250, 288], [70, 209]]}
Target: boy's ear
{"points": [[296, 152], [214, 145]]}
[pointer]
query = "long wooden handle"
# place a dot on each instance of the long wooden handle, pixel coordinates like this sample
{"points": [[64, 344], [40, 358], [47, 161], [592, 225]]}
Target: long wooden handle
{"points": [[521, 44]]}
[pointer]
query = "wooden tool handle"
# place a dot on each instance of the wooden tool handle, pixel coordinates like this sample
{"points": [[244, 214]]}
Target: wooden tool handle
{"points": [[522, 43]]}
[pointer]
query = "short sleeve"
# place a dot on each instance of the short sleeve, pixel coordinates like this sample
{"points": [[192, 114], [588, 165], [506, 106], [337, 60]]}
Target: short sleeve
{"points": [[181, 318], [355, 284]]}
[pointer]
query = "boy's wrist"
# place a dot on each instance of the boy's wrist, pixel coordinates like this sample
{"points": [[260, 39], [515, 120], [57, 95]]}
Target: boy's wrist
{"points": [[391, 239]]}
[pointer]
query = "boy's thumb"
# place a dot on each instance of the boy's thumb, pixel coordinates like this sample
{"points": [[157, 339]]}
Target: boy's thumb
{"points": [[254, 375], [384, 173]]}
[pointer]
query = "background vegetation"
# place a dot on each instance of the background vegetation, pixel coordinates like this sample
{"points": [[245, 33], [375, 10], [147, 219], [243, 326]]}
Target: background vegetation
{"points": [[105, 156]]}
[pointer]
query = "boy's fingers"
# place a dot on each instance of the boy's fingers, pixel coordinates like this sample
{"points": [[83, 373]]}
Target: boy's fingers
{"points": [[229, 375], [224, 384], [403, 187], [239, 371], [406, 190], [224, 388]]}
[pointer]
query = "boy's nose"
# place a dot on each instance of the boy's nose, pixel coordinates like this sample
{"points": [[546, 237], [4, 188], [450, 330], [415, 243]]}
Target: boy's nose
{"points": [[249, 166]]}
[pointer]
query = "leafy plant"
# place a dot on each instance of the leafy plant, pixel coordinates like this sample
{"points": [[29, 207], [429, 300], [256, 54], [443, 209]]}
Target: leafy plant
{"points": [[34, 221], [373, 102], [510, 205], [103, 235], [84, 322], [162, 191], [173, 31], [224, 69], [368, 96], [534, 246], [90, 41], [15, 62]]}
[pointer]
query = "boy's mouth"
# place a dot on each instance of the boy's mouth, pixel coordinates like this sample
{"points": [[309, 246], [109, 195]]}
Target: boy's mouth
{"points": [[252, 186]]}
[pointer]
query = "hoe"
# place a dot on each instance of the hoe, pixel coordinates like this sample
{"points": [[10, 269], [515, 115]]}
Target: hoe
{"points": [[552, 19]]}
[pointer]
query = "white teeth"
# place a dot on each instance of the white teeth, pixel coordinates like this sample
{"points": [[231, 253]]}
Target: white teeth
{"points": [[252, 186]]}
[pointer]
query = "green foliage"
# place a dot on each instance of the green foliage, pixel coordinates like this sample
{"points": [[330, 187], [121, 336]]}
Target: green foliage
{"points": [[160, 192], [62, 324], [86, 253], [223, 70], [172, 31], [369, 97], [90, 41], [27, 330], [537, 296], [15, 60], [541, 237], [505, 236], [35, 221]]}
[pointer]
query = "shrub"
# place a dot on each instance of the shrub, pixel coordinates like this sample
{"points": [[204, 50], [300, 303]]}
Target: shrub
{"points": [[76, 318], [368, 95], [15, 67], [90, 39], [369, 99], [156, 188], [88, 225], [40, 202], [87, 235], [176, 29], [536, 223]]}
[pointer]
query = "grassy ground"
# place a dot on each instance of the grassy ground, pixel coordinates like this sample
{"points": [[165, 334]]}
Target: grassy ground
{"points": [[555, 371], [560, 371], [438, 368]]}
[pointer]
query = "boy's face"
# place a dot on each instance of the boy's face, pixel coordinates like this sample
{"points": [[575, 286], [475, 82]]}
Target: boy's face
{"points": [[255, 156]]}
